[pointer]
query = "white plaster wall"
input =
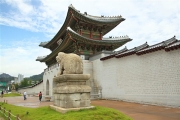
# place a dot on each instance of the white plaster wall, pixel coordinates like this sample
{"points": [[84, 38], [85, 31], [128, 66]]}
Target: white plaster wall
{"points": [[88, 69], [48, 76], [36, 89], [152, 78], [100, 55]]}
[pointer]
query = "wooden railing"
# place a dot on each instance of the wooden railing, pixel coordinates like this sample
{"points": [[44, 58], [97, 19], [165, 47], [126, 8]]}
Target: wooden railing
{"points": [[8, 114]]}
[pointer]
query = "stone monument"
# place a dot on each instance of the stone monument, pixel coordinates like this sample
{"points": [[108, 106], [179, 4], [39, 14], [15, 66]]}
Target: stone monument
{"points": [[13, 88], [71, 91]]}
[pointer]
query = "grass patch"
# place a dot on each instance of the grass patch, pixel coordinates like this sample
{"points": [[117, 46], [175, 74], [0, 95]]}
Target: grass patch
{"points": [[46, 113], [12, 95]]}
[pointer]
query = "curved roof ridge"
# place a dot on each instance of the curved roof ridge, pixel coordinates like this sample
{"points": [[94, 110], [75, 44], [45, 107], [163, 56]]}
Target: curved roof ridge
{"points": [[140, 47], [132, 50], [173, 46], [122, 50], [170, 41], [119, 37], [102, 17], [157, 46]]}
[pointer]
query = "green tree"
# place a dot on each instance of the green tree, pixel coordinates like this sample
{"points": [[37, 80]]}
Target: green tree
{"points": [[30, 82], [24, 83]]}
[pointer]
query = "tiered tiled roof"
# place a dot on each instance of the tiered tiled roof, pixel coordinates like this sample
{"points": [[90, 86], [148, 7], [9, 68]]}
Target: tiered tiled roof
{"points": [[168, 45], [83, 34], [73, 38], [74, 15]]}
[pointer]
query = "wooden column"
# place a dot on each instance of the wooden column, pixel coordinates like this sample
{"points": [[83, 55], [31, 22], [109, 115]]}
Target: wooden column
{"points": [[100, 35], [90, 35]]}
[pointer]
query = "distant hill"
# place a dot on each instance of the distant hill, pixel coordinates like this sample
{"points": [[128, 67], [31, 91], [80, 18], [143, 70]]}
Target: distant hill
{"points": [[36, 77], [6, 77]]}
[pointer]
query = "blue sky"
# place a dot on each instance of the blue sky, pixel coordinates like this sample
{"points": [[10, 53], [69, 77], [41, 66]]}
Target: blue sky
{"points": [[26, 23]]}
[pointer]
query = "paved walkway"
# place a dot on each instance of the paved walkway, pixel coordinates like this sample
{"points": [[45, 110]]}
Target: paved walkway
{"points": [[135, 111]]}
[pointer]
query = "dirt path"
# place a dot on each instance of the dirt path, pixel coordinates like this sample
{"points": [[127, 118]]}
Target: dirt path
{"points": [[141, 112]]}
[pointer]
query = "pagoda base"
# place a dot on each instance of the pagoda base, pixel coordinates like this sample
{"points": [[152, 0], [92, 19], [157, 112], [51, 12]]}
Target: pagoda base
{"points": [[71, 91], [13, 91], [64, 110]]}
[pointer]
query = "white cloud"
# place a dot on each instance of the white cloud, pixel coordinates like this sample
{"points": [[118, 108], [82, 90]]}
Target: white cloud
{"points": [[22, 59], [142, 17], [149, 20], [23, 6]]}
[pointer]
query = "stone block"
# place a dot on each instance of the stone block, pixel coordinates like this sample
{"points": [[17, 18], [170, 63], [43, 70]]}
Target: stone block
{"points": [[72, 89], [56, 96], [62, 97], [71, 77], [55, 102], [69, 104], [72, 83], [68, 97], [85, 96], [85, 103], [75, 96], [58, 103], [73, 104], [62, 103], [64, 110]]}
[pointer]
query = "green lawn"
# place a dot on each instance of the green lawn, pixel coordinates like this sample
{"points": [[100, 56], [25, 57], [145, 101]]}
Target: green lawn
{"points": [[46, 113], [12, 95]]}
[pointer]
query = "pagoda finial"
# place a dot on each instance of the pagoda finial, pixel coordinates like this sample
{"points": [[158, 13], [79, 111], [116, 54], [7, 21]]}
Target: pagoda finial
{"points": [[85, 13], [70, 5]]}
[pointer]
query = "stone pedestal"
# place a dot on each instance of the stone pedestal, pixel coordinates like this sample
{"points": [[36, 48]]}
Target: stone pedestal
{"points": [[71, 91], [13, 91]]}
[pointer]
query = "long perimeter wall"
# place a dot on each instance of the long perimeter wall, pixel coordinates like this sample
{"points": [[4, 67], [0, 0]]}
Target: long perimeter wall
{"points": [[152, 78]]}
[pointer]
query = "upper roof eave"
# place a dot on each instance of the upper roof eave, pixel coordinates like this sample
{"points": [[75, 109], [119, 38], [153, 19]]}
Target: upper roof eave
{"points": [[40, 58], [88, 18], [52, 54], [42, 44], [96, 19], [61, 31]]}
